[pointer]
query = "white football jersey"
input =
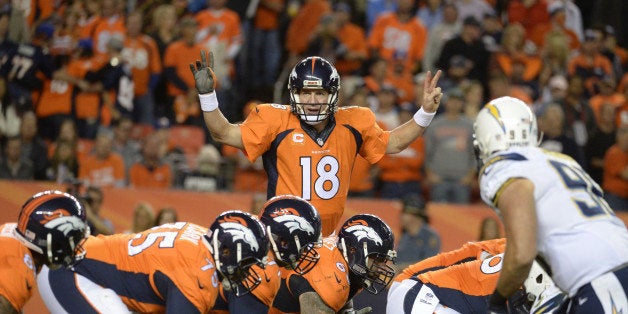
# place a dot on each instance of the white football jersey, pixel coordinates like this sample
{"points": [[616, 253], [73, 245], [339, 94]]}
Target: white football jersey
{"points": [[578, 235]]}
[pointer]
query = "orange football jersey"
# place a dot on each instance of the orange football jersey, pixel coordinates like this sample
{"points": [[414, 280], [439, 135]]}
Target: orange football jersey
{"points": [[316, 169], [329, 277], [127, 264], [17, 269], [468, 252]]}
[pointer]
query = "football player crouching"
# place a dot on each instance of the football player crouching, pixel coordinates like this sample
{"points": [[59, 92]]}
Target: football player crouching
{"points": [[172, 268], [367, 244], [50, 230]]}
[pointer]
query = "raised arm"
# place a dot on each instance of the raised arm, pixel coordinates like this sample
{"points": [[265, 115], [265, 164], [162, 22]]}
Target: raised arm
{"points": [[406, 133], [219, 127]]}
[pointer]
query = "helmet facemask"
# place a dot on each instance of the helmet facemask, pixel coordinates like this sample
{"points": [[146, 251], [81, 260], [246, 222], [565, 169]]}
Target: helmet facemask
{"points": [[238, 276], [373, 267], [293, 255], [325, 109]]}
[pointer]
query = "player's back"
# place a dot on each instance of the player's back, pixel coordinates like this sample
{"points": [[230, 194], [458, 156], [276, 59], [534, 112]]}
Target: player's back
{"points": [[17, 269], [137, 265], [578, 234]]}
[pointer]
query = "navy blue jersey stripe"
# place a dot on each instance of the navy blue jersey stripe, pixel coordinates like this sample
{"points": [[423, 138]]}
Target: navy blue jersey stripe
{"points": [[270, 163], [357, 136]]}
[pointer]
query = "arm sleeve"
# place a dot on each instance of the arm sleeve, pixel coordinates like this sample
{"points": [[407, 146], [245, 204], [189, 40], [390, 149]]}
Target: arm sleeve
{"points": [[298, 285], [176, 302]]}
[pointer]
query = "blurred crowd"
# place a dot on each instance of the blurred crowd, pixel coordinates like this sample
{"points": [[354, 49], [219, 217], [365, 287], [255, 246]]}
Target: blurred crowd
{"points": [[100, 91]]}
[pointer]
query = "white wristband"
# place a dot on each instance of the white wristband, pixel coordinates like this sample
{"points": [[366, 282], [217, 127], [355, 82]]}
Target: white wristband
{"points": [[423, 118], [209, 102]]}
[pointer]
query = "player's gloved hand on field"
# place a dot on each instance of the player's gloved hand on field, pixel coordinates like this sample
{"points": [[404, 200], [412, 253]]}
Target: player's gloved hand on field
{"points": [[497, 304], [204, 76]]}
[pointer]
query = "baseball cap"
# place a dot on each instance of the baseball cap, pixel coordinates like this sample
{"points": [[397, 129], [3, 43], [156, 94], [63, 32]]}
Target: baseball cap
{"points": [[414, 204], [558, 82], [471, 21]]}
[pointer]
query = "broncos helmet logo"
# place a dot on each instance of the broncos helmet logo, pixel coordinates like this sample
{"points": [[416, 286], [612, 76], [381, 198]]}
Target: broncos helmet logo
{"points": [[240, 232], [361, 231], [66, 224], [293, 223]]}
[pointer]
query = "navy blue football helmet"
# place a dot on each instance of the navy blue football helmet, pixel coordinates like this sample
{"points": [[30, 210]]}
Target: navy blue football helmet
{"points": [[238, 242], [294, 229], [314, 73], [367, 244], [53, 224]]}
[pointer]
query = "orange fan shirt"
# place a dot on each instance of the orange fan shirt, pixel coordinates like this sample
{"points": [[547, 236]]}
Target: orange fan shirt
{"points": [[142, 176], [17, 269], [128, 263], [329, 277], [354, 39], [56, 95], [143, 57], [102, 172], [615, 161], [316, 169], [179, 56], [404, 166], [394, 39]]}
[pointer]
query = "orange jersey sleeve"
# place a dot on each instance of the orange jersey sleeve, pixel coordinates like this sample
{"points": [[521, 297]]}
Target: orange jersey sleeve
{"points": [[17, 268], [317, 170], [128, 263], [468, 252], [474, 278], [330, 276]]}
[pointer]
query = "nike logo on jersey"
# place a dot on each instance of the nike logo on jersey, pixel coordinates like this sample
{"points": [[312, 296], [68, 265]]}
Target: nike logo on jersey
{"points": [[337, 279], [581, 301], [200, 285], [266, 277]]}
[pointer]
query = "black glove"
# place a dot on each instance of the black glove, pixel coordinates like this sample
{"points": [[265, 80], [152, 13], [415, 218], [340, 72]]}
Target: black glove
{"points": [[204, 75], [497, 304]]}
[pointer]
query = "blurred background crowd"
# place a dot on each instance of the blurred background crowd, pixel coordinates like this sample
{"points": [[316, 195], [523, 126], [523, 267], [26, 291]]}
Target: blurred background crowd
{"points": [[99, 92]]}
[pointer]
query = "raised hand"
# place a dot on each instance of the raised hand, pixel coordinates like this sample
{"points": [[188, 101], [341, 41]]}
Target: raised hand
{"points": [[432, 94], [204, 76]]}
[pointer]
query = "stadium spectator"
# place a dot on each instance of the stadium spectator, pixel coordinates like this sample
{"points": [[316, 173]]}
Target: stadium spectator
{"points": [[615, 178], [589, 63], [207, 176], [180, 84], [353, 37], [143, 218], [400, 174], [33, 146], [551, 123], [63, 162], [12, 165], [450, 179], [600, 140], [166, 215], [263, 42], [418, 239], [315, 123], [102, 167], [151, 171], [439, 34], [98, 224], [399, 36], [142, 55], [469, 45]]}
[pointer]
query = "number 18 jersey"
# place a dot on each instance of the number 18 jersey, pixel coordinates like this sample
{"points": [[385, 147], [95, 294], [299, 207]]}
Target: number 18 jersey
{"points": [[578, 234], [316, 168]]}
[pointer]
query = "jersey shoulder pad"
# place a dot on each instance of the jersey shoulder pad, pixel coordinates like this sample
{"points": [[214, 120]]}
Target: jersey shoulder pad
{"points": [[329, 278], [357, 117]]}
